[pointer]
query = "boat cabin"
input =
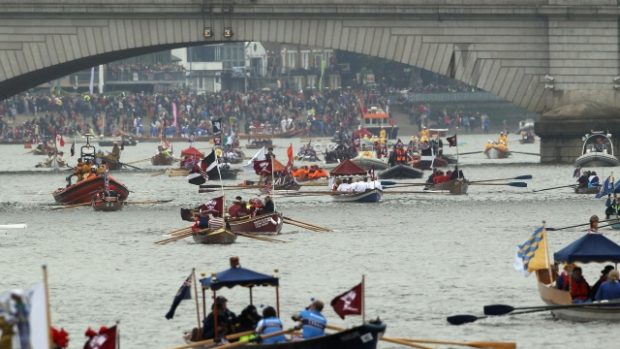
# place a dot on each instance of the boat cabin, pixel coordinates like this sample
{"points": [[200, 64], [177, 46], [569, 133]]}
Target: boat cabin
{"points": [[376, 119], [597, 141]]}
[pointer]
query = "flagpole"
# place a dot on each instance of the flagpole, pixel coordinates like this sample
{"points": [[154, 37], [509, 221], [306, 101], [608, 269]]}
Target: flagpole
{"points": [[48, 313], [118, 335], [547, 252], [196, 297], [363, 299]]}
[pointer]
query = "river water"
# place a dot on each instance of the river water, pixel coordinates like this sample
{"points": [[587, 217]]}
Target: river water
{"points": [[425, 256]]}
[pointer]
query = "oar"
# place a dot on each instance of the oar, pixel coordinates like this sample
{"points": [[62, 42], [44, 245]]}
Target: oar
{"points": [[465, 318], [71, 206], [13, 226], [504, 309], [304, 226], [137, 161], [416, 192], [477, 344], [584, 224], [524, 177], [526, 153], [174, 238], [207, 342], [148, 202], [261, 238], [218, 186], [131, 166], [562, 186], [308, 224], [471, 152], [387, 339], [512, 184], [239, 343]]}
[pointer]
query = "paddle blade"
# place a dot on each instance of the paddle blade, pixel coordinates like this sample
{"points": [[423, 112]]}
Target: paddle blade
{"points": [[517, 184], [498, 309], [524, 177], [493, 345], [461, 319], [388, 183]]}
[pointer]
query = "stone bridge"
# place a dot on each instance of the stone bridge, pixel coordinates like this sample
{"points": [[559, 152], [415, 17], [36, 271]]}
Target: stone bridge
{"points": [[538, 54]]}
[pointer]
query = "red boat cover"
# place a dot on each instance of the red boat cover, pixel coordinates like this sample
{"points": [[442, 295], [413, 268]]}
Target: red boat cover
{"points": [[191, 151], [348, 168]]}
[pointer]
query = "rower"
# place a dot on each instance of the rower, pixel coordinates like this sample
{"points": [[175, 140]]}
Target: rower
{"points": [[268, 207], [312, 321], [238, 208]]}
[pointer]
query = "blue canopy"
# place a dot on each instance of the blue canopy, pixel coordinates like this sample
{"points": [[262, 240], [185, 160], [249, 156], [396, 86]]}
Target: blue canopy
{"points": [[589, 248], [238, 276]]}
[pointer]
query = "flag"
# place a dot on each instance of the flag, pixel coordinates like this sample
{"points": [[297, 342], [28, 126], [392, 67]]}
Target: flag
{"points": [[289, 154], [214, 206], [73, 148], [37, 318], [577, 172], [91, 85], [105, 339], [606, 189], [451, 141], [174, 114], [262, 167], [260, 155], [62, 141], [217, 126], [532, 254], [207, 170], [184, 292], [350, 302]]}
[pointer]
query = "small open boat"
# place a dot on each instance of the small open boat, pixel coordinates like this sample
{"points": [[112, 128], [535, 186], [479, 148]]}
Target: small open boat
{"points": [[457, 186], [220, 236], [589, 248], [586, 190], [598, 150], [267, 224], [160, 160], [370, 195], [401, 171], [107, 202], [496, 151]]}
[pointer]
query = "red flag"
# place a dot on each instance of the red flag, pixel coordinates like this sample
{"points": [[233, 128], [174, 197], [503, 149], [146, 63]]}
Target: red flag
{"points": [[214, 206], [62, 141], [452, 141], [105, 339], [350, 302], [262, 167], [289, 153]]}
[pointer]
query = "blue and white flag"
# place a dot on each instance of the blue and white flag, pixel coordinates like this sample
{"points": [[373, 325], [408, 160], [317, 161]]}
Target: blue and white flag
{"points": [[532, 254], [606, 189]]}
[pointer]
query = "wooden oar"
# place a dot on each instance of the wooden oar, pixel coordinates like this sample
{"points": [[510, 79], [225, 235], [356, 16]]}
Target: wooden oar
{"points": [[308, 224], [477, 344], [148, 202], [210, 341], [387, 339], [584, 224], [218, 186], [304, 226], [159, 173], [562, 186], [471, 152], [137, 161], [261, 238], [240, 343], [504, 309], [446, 191], [512, 184], [174, 238], [71, 206], [526, 153], [524, 177], [179, 231]]}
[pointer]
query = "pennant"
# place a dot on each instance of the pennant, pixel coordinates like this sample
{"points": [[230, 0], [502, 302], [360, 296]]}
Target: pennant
{"points": [[73, 148], [289, 154], [214, 206], [62, 141], [217, 126], [451, 141], [606, 189], [184, 292], [105, 339], [349, 302], [262, 167]]}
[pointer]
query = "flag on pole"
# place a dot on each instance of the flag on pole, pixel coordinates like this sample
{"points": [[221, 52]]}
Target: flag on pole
{"points": [[91, 85], [73, 148], [105, 339], [532, 254], [174, 114], [349, 302], [217, 126], [259, 156], [184, 292], [606, 189], [451, 141], [37, 318], [289, 154], [207, 170], [577, 172]]}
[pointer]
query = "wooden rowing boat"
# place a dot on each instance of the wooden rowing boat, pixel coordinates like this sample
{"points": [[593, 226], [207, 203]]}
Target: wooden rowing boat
{"points": [[370, 195], [592, 190], [160, 160], [107, 203], [220, 236], [267, 224], [457, 186]]}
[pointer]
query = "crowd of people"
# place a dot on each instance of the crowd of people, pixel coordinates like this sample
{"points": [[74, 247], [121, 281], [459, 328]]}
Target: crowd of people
{"points": [[143, 72]]}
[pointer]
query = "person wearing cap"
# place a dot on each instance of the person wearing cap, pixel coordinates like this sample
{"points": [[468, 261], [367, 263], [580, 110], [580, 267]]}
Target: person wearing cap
{"points": [[237, 209], [600, 281], [578, 287], [313, 323], [225, 320], [593, 225], [270, 324], [609, 289]]}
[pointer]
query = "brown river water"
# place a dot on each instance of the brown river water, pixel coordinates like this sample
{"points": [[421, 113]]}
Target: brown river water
{"points": [[425, 256]]}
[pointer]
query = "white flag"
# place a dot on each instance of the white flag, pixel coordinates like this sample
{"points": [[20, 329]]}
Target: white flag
{"points": [[260, 155], [39, 328], [91, 87]]}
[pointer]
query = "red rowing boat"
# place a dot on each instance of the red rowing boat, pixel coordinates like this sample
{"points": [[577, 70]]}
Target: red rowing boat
{"points": [[83, 192], [267, 224]]}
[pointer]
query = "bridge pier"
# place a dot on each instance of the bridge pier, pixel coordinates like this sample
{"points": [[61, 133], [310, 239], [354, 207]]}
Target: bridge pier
{"points": [[562, 129]]}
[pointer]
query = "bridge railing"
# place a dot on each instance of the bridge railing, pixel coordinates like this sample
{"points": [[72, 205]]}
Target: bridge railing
{"points": [[451, 97]]}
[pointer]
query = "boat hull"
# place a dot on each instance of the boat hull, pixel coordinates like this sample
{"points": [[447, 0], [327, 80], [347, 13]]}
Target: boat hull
{"points": [[401, 171], [267, 224], [107, 205], [177, 172], [360, 337], [373, 195], [220, 236], [82, 192], [593, 190], [597, 159], [496, 153], [368, 163], [454, 186], [159, 160]]}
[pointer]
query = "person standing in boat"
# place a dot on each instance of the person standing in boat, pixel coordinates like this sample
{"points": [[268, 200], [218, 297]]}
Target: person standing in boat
{"points": [[270, 324], [313, 323]]}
